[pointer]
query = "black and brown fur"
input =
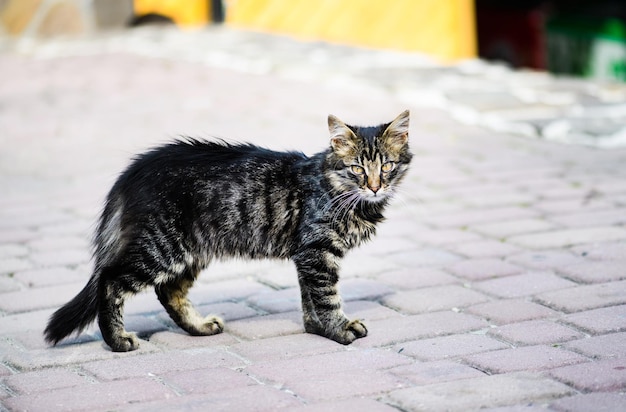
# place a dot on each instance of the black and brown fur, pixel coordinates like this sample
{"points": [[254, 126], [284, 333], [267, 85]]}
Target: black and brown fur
{"points": [[180, 206]]}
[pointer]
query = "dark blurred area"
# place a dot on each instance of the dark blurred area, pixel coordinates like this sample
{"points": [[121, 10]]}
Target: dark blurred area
{"points": [[577, 37]]}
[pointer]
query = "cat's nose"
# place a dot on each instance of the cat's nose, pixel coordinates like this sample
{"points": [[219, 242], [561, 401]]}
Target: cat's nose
{"points": [[374, 188]]}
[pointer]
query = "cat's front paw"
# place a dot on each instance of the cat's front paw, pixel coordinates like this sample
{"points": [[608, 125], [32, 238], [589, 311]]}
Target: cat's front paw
{"points": [[345, 334], [352, 331]]}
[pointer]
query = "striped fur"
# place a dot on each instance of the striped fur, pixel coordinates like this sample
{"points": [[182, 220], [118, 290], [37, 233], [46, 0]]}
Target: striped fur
{"points": [[180, 206]]}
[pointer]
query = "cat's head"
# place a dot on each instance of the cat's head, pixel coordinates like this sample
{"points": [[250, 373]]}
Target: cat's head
{"points": [[369, 161]]}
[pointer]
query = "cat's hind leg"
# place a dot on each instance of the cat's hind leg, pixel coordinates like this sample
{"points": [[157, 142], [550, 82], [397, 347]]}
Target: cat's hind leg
{"points": [[112, 293], [173, 297]]}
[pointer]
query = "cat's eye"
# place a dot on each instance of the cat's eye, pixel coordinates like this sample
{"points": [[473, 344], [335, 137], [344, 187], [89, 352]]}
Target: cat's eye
{"points": [[356, 169], [388, 167]]}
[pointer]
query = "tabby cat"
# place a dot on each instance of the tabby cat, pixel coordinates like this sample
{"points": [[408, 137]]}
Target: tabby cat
{"points": [[179, 206]]}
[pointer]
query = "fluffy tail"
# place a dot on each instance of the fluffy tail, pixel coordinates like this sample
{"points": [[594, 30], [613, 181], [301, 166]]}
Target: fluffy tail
{"points": [[75, 315]]}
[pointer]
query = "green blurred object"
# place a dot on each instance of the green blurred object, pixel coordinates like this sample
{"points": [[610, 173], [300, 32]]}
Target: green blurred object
{"points": [[589, 47]]}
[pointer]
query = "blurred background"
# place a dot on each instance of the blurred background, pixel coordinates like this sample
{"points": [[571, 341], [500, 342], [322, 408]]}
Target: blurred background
{"points": [[575, 37]]}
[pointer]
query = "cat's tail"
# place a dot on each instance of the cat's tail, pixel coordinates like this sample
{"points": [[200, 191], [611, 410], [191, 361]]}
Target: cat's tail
{"points": [[75, 315]]}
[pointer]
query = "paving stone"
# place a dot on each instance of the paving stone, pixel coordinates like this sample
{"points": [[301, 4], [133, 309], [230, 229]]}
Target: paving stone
{"points": [[601, 376], [211, 380], [479, 269], [597, 402], [249, 398], [599, 321], [36, 278], [443, 237], [276, 301], [510, 311], [231, 290], [433, 299], [305, 367], [344, 384], [586, 297], [416, 278], [401, 329], [160, 363], [535, 332], [523, 285], [568, 237], [182, 340], [39, 298], [109, 395], [609, 217], [366, 310], [424, 373], [12, 251], [284, 347], [602, 251], [228, 311], [64, 257], [488, 391], [11, 265], [44, 380], [510, 228], [595, 272], [449, 346], [423, 258], [545, 259], [9, 284], [484, 249], [357, 404], [261, 327], [554, 206], [527, 358], [605, 346], [70, 354], [478, 216]]}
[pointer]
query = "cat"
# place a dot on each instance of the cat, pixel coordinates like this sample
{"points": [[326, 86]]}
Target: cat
{"points": [[179, 206]]}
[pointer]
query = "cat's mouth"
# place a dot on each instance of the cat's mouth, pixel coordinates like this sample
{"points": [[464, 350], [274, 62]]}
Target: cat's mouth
{"points": [[374, 196]]}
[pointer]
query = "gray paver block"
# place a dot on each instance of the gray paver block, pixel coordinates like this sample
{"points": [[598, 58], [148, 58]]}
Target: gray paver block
{"points": [[602, 376], [585, 297], [44, 380], [568, 237], [527, 358], [401, 329], [449, 346], [433, 299], [597, 402], [160, 363], [595, 272], [497, 390], [606, 346], [416, 278], [545, 259], [535, 332], [510, 311], [423, 373], [599, 321], [356, 404], [480, 269], [284, 347], [248, 398], [527, 284], [109, 395]]}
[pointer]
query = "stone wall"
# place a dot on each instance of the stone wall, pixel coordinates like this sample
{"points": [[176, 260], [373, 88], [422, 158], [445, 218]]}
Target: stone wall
{"points": [[62, 17]]}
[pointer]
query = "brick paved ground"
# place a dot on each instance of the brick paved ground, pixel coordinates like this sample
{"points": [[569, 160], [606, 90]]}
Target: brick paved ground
{"points": [[499, 280]]}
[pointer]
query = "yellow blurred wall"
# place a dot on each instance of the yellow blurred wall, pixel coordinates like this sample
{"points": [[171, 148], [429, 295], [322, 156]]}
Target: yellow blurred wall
{"points": [[442, 28]]}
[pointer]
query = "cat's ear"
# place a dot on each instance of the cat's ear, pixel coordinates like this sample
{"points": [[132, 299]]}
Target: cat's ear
{"points": [[342, 138], [396, 136]]}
